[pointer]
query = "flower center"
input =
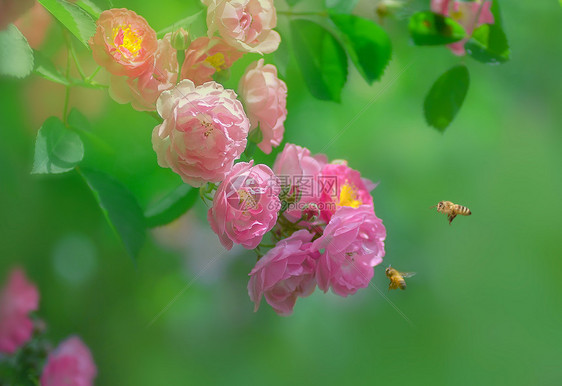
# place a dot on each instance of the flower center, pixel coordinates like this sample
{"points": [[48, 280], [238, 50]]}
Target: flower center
{"points": [[456, 15], [217, 61], [127, 41], [208, 127], [245, 20], [247, 200], [348, 196]]}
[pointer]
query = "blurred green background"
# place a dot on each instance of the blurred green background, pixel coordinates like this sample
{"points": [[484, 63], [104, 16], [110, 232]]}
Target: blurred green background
{"points": [[485, 305]]}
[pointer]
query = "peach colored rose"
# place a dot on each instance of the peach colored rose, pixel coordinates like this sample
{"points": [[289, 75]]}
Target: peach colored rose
{"points": [[265, 98], [207, 56], [245, 205], [142, 92], [11, 10], [123, 43], [465, 14], [244, 24], [19, 297], [204, 130], [70, 364], [34, 25]]}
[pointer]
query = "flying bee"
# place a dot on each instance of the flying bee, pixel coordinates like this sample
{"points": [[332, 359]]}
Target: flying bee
{"points": [[452, 210], [397, 278]]}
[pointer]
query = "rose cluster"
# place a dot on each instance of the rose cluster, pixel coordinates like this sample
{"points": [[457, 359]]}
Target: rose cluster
{"points": [[319, 215], [333, 240], [70, 363], [143, 68]]}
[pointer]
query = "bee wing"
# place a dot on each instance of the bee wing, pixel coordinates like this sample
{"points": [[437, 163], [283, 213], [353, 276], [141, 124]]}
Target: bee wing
{"points": [[407, 274]]}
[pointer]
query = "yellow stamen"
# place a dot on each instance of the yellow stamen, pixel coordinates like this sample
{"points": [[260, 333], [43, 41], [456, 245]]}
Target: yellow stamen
{"points": [[348, 196], [456, 15], [217, 61], [126, 39]]}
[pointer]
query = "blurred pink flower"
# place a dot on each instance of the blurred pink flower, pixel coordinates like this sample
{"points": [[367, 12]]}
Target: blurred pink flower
{"points": [[346, 188], [285, 273], [298, 172], [142, 92], [465, 14], [204, 131], [352, 244], [123, 43], [34, 25], [19, 297], [244, 24], [70, 364], [207, 56], [11, 10], [265, 98], [245, 205]]}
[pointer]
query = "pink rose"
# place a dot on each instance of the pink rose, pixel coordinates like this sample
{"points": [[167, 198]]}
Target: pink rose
{"points": [[123, 43], [352, 244], [245, 205], [10, 10], [204, 131], [298, 172], [207, 56], [465, 14], [285, 273], [70, 364], [265, 98], [19, 297], [142, 92], [244, 24], [345, 188]]}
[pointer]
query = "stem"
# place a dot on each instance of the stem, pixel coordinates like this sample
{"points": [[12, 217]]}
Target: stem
{"points": [[75, 57], [89, 79], [67, 88], [154, 115]]}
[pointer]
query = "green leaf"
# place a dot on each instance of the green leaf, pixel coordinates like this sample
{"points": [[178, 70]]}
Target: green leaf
{"points": [[366, 42], [292, 3], [120, 208], [282, 56], [94, 7], [489, 42], [78, 121], [57, 149], [16, 57], [341, 6], [78, 21], [431, 29], [46, 68], [321, 58], [446, 96], [488, 45], [171, 206]]}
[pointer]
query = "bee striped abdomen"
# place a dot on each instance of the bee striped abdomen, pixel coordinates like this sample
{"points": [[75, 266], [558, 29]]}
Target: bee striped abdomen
{"points": [[462, 210]]}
